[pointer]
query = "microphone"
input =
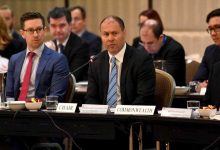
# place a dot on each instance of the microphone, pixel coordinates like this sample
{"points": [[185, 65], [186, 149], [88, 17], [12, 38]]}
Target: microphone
{"points": [[92, 58]]}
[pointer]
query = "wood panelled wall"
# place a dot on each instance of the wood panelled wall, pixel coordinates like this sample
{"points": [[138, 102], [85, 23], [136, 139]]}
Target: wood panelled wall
{"points": [[184, 20]]}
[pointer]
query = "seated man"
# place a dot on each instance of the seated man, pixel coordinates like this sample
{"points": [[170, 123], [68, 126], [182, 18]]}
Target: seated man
{"points": [[143, 16], [67, 42], [212, 52], [120, 75], [36, 70], [163, 47]]}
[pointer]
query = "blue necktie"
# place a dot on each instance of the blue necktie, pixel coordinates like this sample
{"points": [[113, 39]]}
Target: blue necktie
{"points": [[112, 88]]}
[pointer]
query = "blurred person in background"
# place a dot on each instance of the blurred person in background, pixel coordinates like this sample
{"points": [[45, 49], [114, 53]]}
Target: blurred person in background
{"points": [[78, 14], [163, 47], [67, 42], [8, 46], [144, 15], [212, 52], [8, 16]]}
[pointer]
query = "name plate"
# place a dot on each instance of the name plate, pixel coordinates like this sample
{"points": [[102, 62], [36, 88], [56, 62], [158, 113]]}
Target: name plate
{"points": [[66, 107], [134, 110], [94, 109], [176, 112]]}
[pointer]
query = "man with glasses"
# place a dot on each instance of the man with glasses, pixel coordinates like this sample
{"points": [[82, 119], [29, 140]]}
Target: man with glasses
{"points": [[78, 14], [212, 52], [38, 68], [163, 47]]}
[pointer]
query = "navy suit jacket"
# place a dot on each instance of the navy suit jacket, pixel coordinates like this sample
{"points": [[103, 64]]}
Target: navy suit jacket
{"points": [[212, 96], [94, 42], [137, 83], [51, 72], [210, 57]]}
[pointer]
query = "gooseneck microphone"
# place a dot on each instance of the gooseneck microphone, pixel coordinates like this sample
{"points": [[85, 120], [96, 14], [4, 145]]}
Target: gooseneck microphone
{"points": [[92, 58]]}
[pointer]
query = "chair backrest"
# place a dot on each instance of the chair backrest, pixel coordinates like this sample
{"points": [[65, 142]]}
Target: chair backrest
{"points": [[71, 89], [165, 89], [191, 68]]}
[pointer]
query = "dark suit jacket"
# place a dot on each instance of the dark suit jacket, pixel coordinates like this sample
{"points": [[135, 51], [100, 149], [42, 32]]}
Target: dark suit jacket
{"points": [[136, 42], [94, 42], [137, 78], [174, 54], [212, 96], [76, 52], [52, 69], [210, 57]]}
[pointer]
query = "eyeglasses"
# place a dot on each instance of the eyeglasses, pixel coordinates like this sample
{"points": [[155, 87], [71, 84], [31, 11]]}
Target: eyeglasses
{"points": [[31, 31], [215, 28]]}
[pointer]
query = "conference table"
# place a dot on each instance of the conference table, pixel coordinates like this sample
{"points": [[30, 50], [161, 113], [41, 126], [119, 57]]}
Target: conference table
{"points": [[105, 126]]}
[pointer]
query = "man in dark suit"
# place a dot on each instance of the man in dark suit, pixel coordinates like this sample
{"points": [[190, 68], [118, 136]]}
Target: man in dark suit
{"points": [[137, 75], [163, 47], [78, 14], [135, 79], [48, 67], [68, 43], [212, 52]]}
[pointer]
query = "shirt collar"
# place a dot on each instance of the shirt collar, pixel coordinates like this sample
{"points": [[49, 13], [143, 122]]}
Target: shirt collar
{"points": [[64, 43], [81, 32], [37, 51], [120, 55]]}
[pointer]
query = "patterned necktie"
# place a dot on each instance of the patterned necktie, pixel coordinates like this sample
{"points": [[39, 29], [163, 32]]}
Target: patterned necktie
{"points": [[112, 88], [26, 80], [61, 48]]}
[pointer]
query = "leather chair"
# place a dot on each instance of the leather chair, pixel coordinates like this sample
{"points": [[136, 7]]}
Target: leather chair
{"points": [[191, 68], [165, 89], [164, 93], [71, 89]]}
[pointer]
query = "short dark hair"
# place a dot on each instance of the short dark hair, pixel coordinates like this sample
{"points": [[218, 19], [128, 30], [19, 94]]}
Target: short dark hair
{"points": [[155, 26], [214, 13], [59, 12], [152, 14], [81, 9], [117, 19], [30, 16]]}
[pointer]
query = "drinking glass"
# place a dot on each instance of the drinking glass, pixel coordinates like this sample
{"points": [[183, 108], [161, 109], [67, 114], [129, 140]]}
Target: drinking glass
{"points": [[160, 64], [51, 102], [194, 105]]}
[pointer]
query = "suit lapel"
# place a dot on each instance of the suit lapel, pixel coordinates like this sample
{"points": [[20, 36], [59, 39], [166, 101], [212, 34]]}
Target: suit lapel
{"points": [[42, 63], [18, 68], [125, 65]]}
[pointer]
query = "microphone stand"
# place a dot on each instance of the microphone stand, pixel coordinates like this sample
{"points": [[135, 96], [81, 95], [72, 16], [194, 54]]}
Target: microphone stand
{"points": [[92, 58]]}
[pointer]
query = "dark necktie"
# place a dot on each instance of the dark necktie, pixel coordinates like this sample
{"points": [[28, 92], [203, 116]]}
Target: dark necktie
{"points": [[61, 48], [112, 88], [26, 80]]}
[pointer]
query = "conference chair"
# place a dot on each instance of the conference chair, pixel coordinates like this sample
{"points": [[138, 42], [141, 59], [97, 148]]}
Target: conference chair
{"points": [[191, 68], [71, 89], [165, 89], [164, 93]]}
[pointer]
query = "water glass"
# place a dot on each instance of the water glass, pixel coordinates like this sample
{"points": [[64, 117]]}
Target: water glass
{"points": [[160, 64], [194, 105], [51, 102]]}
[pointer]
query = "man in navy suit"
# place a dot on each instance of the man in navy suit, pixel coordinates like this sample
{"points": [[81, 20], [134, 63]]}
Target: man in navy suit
{"points": [[48, 67], [78, 14], [74, 48], [212, 52]]}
